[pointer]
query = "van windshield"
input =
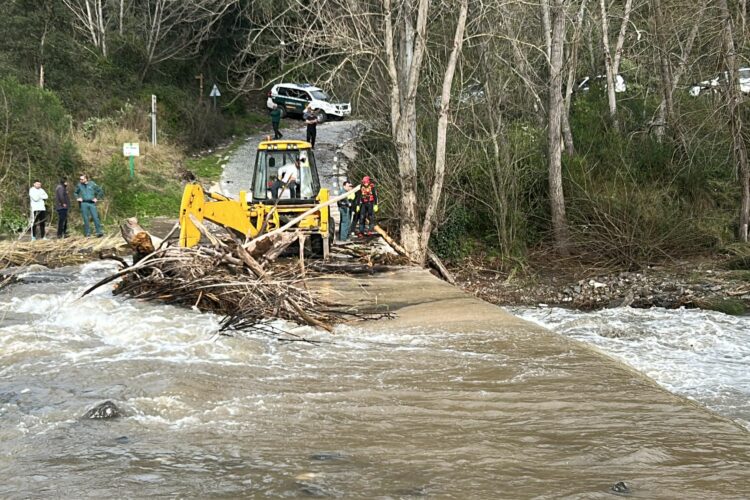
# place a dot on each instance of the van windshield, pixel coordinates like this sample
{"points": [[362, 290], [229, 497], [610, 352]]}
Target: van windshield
{"points": [[319, 95]]}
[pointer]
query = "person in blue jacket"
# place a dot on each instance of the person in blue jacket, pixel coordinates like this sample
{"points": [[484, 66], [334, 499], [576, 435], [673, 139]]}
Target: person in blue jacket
{"points": [[88, 194]]}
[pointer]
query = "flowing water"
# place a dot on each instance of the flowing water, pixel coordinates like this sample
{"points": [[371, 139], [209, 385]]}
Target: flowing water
{"points": [[364, 414], [702, 355]]}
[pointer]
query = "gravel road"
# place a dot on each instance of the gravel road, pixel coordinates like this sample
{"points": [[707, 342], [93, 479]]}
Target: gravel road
{"points": [[332, 137]]}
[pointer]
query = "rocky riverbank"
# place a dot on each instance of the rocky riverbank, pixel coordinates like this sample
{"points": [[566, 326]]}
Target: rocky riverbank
{"points": [[708, 283]]}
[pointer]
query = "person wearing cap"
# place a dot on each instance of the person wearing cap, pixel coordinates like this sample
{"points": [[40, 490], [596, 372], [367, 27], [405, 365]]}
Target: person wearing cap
{"points": [[367, 206], [311, 120], [287, 177]]}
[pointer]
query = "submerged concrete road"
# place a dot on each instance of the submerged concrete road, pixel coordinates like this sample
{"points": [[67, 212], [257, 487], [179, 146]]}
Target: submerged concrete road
{"points": [[570, 422]]}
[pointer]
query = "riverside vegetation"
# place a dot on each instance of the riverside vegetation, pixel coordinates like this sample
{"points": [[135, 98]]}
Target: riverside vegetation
{"points": [[650, 176]]}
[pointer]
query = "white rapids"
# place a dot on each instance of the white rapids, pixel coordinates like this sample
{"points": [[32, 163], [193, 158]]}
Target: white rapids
{"points": [[702, 355]]}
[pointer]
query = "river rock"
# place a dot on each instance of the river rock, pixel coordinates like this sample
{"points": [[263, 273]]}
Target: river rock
{"points": [[103, 411], [620, 487]]}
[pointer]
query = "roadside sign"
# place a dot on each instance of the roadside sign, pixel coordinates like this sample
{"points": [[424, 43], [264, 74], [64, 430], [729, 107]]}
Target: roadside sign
{"points": [[215, 91], [131, 149]]}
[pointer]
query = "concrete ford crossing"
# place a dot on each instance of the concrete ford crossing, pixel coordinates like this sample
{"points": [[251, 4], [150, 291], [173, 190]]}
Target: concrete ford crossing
{"points": [[293, 98]]}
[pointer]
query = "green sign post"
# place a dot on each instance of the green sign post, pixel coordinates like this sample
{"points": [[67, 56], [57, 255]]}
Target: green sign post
{"points": [[131, 150]]}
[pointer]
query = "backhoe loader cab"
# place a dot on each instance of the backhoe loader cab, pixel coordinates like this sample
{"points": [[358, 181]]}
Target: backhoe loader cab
{"points": [[271, 157], [258, 211]]}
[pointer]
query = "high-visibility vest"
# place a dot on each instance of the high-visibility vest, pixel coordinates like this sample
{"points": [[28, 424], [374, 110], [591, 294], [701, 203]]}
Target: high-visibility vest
{"points": [[366, 194]]}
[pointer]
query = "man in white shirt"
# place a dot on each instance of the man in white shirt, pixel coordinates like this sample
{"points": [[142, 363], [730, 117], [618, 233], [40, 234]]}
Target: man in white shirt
{"points": [[288, 175], [37, 195]]}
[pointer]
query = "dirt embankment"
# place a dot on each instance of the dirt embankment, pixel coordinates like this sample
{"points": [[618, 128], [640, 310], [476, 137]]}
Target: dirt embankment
{"points": [[714, 282]]}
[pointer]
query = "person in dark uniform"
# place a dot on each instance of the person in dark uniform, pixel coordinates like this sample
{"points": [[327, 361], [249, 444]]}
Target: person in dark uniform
{"points": [[311, 120]]}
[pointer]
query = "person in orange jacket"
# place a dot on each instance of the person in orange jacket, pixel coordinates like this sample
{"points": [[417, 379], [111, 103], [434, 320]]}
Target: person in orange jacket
{"points": [[367, 206]]}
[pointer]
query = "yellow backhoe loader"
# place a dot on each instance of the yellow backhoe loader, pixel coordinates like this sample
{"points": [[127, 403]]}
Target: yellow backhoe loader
{"points": [[269, 204]]}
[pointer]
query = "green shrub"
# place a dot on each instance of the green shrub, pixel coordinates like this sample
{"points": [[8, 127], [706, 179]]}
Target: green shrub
{"points": [[145, 195], [451, 239], [36, 145]]}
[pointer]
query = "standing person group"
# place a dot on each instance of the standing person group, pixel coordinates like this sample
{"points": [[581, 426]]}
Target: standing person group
{"points": [[37, 195], [358, 211], [88, 194]]}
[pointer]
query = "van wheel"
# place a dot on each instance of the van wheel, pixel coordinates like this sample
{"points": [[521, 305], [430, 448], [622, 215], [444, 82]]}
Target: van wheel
{"points": [[283, 112], [322, 116]]}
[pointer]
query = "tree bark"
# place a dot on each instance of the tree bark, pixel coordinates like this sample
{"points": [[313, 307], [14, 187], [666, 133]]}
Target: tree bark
{"points": [[554, 142], [442, 131], [666, 108], [609, 66]]}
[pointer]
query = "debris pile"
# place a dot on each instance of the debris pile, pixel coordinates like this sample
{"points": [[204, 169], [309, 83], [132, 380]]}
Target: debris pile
{"points": [[226, 278]]}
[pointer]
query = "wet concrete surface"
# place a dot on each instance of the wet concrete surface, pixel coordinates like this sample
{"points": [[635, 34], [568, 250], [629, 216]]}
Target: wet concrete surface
{"points": [[588, 420]]}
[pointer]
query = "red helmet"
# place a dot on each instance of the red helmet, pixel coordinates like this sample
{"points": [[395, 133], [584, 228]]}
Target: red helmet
{"points": [[366, 179]]}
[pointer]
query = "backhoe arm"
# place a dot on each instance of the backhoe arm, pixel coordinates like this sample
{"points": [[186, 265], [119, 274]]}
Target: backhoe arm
{"points": [[224, 211]]}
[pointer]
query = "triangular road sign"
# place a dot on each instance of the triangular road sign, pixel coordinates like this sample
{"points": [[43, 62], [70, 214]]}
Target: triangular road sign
{"points": [[215, 91]]}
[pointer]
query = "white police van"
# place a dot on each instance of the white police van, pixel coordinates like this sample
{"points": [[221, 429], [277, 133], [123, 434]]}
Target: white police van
{"points": [[293, 98]]}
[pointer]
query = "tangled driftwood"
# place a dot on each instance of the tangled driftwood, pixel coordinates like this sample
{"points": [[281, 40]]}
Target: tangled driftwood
{"points": [[224, 278]]}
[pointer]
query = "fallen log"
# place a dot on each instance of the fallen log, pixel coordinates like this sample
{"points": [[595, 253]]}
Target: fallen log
{"points": [[398, 248], [444, 272], [139, 239], [431, 257]]}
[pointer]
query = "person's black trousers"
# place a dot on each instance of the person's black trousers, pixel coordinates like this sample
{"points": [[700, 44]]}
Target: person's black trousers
{"points": [[40, 219], [62, 222], [366, 214], [311, 133]]}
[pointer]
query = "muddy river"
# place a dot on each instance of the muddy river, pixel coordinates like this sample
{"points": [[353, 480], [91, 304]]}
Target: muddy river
{"points": [[368, 413]]}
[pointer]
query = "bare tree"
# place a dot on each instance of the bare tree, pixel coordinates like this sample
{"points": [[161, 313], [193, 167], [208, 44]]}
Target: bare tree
{"points": [[554, 131], [736, 123], [612, 62], [176, 29], [570, 83], [91, 20], [390, 43], [670, 77]]}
